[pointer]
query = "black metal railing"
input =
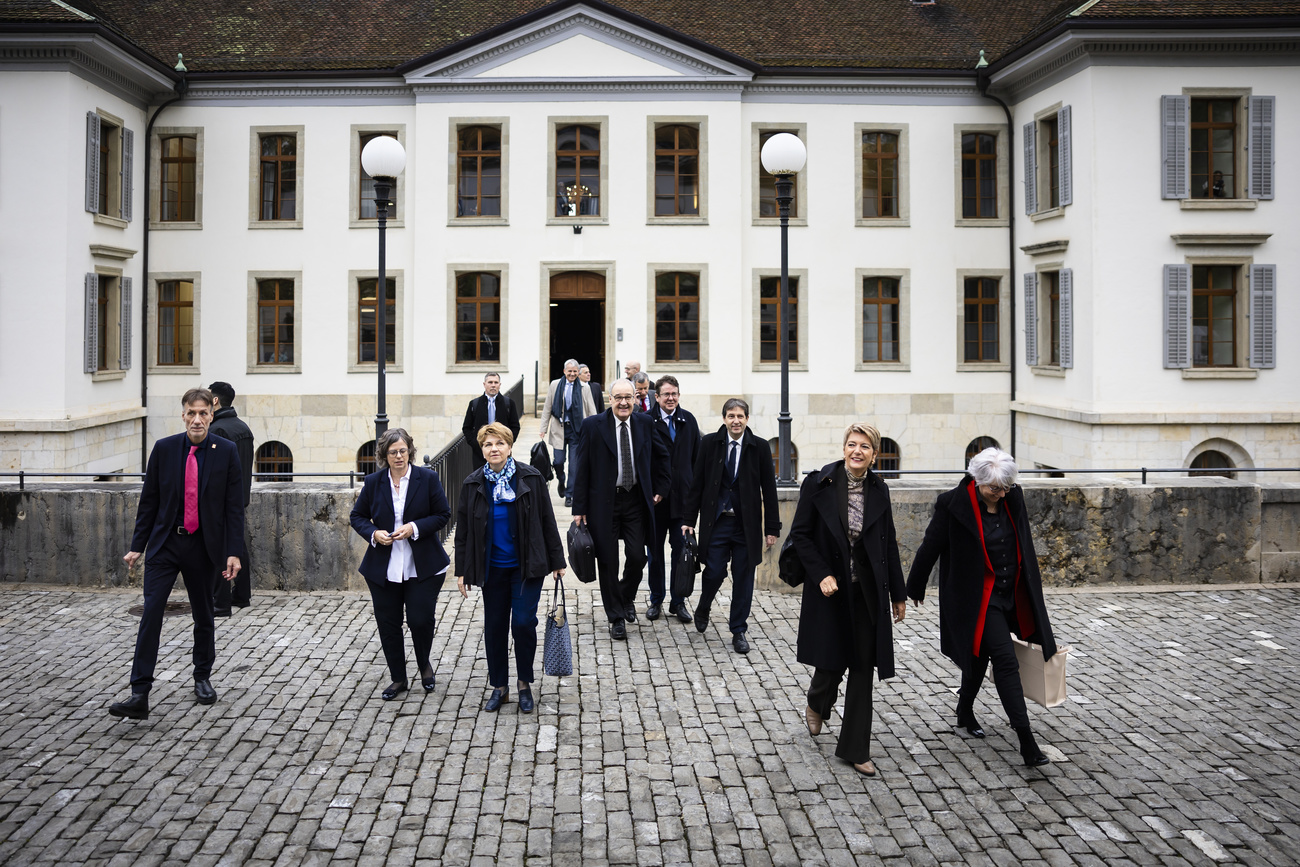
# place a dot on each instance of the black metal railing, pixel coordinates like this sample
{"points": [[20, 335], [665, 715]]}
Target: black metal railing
{"points": [[452, 465], [516, 395]]}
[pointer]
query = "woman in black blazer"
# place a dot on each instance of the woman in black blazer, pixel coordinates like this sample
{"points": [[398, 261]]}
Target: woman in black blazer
{"points": [[399, 513], [989, 587], [506, 543], [843, 533]]}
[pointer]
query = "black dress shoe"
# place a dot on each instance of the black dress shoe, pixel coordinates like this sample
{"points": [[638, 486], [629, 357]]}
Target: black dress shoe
{"points": [[135, 707], [499, 695], [970, 724], [395, 689], [617, 630], [683, 613], [427, 680], [739, 642], [525, 700], [629, 614], [221, 612], [568, 502], [204, 692], [701, 619], [239, 604], [1029, 750], [653, 612]]}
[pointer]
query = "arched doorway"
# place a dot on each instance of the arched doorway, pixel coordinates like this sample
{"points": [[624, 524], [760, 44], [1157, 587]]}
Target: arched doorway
{"points": [[578, 322]]}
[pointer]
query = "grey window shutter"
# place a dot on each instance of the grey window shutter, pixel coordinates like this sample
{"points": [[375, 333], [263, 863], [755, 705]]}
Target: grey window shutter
{"points": [[1031, 319], [1263, 324], [124, 327], [1031, 167], [1178, 316], [128, 170], [1065, 289], [1173, 146], [1063, 162], [92, 162], [92, 323], [1261, 146]]}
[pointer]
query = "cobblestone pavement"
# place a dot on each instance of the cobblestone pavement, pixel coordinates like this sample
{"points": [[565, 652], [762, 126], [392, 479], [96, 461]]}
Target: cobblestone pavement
{"points": [[1179, 745]]}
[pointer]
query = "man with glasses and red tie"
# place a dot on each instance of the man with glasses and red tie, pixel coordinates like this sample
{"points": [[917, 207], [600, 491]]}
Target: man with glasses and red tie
{"points": [[190, 519]]}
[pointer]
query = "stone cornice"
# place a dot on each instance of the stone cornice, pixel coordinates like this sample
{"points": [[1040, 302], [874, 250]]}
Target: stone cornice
{"points": [[1103, 418], [1221, 239], [1042, 249], [89, 56]]}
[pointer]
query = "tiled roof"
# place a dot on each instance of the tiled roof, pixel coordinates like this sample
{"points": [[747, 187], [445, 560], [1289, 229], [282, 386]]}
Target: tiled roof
{"points": [[249, 36]]}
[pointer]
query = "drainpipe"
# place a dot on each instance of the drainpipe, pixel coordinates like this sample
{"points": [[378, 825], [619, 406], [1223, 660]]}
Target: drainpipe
{"points": [[982, 82], [181, 87]]}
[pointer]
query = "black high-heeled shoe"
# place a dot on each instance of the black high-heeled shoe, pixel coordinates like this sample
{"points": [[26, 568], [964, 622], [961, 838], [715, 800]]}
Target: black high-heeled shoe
{"points": [[967, 721], [1029, 750]]}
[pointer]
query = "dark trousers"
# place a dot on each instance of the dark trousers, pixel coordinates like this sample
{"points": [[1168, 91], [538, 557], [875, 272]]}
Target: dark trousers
{"points": [[419, 599], [728, 544], [996, 645], [187, 556], [510, 608], [240, 591], [629, 528], [670, 528], [570, 440], [855, 730]]}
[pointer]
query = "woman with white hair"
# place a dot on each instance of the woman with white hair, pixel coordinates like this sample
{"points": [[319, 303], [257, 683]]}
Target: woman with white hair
{"points": [[989, 587]]}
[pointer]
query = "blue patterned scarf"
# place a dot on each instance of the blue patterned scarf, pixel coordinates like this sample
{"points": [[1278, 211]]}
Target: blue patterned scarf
{"points": [[501, 490]]}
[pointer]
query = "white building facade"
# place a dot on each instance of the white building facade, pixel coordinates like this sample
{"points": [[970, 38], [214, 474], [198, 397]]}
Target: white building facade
{"points": [[548, 212]]}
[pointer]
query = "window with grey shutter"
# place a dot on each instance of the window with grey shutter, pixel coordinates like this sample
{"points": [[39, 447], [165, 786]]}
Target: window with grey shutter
{"points": [[1263, 325], [92, 162], [1178, 316], [1031, 319], [1063, 158], [124, 327], [1065, 290], [1261, 146], [1031, 167], [92, 323], [1173, 147], [128, 163]]}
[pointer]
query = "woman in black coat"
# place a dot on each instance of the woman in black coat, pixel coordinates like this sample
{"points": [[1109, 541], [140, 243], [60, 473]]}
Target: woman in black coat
{"points": [[989, 587], [399, 513], [506, 543], [843, 533]]}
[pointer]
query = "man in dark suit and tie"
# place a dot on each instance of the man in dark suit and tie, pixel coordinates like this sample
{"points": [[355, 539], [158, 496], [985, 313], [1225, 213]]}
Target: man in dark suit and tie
{"points": [[621, 472], [681, 433], [733, 493], [641, 385], [488, 407], [597, 392], [190, 518]]}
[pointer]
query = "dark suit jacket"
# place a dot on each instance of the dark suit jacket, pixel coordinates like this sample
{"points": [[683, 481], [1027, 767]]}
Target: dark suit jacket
{"points": [[954, 539], [227, 423], [820, 532], [596, 474], [682, 451], [426, 507], [598, 395], [476, 416], [221, 497], [756, 484]]}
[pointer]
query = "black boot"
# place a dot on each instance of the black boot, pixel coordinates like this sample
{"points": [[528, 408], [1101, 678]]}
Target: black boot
{"points": [[966, 719], [135, 707], [1029, 750]]}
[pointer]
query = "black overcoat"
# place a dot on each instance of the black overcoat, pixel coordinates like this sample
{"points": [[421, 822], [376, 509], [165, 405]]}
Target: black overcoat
{"points": [[953, 538], [682, 452], [756, 483], [538, 543], [595, 475], [820, 534], [426, 507]]}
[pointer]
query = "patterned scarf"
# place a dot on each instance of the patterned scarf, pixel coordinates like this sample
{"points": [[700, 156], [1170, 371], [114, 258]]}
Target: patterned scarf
{"points": [[501, 490]]}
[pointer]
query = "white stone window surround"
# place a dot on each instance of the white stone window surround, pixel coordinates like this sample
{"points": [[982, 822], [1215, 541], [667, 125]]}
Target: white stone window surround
{"points": [[701, 270], [701, 124], [255, 134], [251, 342], [555, 123], [801, 326], [155, 178], [800, 215], [1003, 276], [904, 278], [904, 218], [1003, 219], [502, 271], [454, 126], [397, 131], [1241, 369], [1239, 202]]}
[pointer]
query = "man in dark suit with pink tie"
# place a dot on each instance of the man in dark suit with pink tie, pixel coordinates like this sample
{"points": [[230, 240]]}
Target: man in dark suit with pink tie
{"points": [[190, 519]]}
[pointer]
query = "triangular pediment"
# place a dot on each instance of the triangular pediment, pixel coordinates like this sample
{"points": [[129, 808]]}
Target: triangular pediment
{"points": [[579, 42]]}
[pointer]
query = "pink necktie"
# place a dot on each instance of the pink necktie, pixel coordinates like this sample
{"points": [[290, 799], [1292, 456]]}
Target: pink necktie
{"points": [[192, 491]]}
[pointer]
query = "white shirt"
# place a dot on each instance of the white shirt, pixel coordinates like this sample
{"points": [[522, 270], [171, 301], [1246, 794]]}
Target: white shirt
{"points": [[740, 445], [401, 561], [618, 452]]}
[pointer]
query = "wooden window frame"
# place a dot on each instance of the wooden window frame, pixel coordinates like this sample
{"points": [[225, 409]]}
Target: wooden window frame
{"points": [[1004, 281], [156, 279], [802, 309], [1195, 181], [554, 125], [1210, 291], [880, 158], [455, 125], [156, 175], [698, 126], [1001, 163], [357, 177], [109, 325], [478, 155], [676, 300], [390, 320], [255, 220], [254, 317], [109, 194], [894, 458], [176, 307], [799, 205], [882, 304], [354, 362], [179, 163], [501, 272], [904, 278], [701, 272], [273, 465]]}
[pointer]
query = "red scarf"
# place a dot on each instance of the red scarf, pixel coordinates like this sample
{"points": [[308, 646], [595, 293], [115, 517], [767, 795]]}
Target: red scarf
{"points": [[1024, 614]]}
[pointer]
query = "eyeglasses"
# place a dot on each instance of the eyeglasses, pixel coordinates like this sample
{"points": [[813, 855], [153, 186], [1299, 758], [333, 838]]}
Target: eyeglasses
{"points": [[999, 489], [398, 453], [621, 398]]}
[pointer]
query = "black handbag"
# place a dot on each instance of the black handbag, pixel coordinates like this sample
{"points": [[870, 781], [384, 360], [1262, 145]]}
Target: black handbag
{"points": [[540, 459], [789, 566], [688, 563], [582, 553]]}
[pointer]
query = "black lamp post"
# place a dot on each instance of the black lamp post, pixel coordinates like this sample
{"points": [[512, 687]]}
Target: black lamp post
{"points": [[384, 159], [783, 156]]}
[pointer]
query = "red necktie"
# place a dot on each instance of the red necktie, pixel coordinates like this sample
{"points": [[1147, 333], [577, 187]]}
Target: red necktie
{"points": [[192, 491]]}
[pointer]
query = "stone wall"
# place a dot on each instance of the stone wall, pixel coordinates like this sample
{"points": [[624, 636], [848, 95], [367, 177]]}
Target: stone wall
{"points": [[1188, 531]]}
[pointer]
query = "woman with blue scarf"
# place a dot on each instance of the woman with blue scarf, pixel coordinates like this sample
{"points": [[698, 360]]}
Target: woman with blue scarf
{"points": [[506, 543]]}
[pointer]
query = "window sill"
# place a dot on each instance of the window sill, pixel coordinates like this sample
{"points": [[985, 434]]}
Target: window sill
{"points": [[372, 368], [982, 223], [105, 220], [883, 367], [1049, 214], [274, 368], [275, 224], [477, 367], [1218, 204], [682, 367], [174, 225], [775, 366], [983, 367], [479, 221], [108, 375], [1220, 373], [776, 221], [691, 220], [577, 221], [885, 222], [374, 224], [174, 369], [1047, 370]]}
